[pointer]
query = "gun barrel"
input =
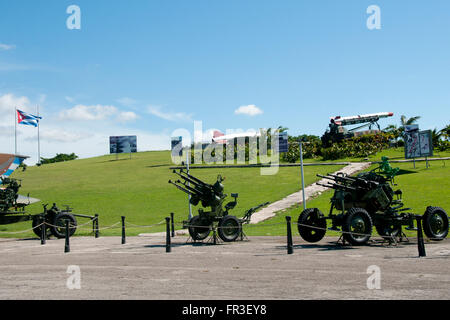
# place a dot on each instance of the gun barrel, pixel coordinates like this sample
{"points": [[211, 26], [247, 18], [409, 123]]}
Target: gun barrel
{"points": [[188, 179], [181, 188], [192, 178], [343, 178], [337, 186]]}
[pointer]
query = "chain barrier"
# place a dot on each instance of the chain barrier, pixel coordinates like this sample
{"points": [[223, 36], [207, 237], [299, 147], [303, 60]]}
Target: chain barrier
{"points": [[22, 231], [145, 226], [132, 225]]}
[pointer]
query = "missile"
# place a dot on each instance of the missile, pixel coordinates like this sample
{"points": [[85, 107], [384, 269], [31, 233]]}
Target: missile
{"points": [[221, 138], [373, 117]]}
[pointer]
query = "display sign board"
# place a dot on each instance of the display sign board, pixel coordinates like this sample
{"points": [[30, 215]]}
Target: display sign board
{"points": [[122, 144], [418, 144], [177, 146], [283, 142]]}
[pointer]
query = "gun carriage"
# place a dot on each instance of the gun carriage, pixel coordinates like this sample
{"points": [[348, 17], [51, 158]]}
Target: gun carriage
{"points": [[12, 210], [368, 201], [218, 216]]}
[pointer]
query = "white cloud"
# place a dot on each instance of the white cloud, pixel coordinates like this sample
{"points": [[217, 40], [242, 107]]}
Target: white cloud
{"points": [[8, 102], [87, 113], [60, 135], [170, 116], [125, 101], [69, 99], [250, 110], [4, 47], [127, 116]]}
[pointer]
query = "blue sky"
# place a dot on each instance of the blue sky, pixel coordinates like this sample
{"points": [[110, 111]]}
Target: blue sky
{"points": [[150, 67]]}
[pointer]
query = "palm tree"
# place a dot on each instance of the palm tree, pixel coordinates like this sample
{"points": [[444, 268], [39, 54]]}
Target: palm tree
{"points": [[436, 136], [408, 122], [445, 132], [393, 131]]}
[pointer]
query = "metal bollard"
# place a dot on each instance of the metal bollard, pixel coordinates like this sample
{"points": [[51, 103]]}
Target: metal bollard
{"points": [[173, 224], [96, 226], [420, 243], [290, 247], [67, 245], [43, 231], [168, 248], [123, 230]]}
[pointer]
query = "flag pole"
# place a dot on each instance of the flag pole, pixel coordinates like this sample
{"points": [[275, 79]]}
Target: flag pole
{"points": [[39, 142], [15, 130]]}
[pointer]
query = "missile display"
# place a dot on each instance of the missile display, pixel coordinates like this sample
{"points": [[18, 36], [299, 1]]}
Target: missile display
{"points": [[336, 131], [373, 117]]}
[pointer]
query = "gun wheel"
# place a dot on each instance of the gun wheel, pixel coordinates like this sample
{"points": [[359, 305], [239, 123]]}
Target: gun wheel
{"points": [[357, 226], [435, 223], [388, 231], [37, 230], [311, 225], [59, 228], [229, 228], [198, 230]]}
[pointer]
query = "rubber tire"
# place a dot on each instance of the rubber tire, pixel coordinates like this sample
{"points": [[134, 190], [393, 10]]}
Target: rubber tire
{"points": [[59, 220], [429, 232], [198, 233], [229, 228], [311, 234], [357, 240], [37, 231], [385, 234]]}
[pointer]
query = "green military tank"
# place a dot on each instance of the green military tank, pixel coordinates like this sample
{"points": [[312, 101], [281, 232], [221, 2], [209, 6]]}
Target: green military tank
{"points": [[218, 216], [366, 201]]}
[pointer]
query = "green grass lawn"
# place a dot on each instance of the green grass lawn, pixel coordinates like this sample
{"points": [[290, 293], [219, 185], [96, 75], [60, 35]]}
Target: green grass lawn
{"points": [[421, 187], [139, 189]]}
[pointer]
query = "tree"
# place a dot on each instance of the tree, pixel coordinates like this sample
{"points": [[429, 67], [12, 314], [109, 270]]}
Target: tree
{"points": [[436, 137], [445, 132], [393, 131], [59, 158], [406, 122]]}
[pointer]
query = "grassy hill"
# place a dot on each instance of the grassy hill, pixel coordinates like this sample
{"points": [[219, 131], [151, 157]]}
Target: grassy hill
{"points": [[138, 188]]}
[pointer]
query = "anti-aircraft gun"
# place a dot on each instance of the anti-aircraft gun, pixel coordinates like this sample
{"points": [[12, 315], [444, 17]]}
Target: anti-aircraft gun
{"points": [[211, 196], [12, 204], [365, 201], [12, 210]]}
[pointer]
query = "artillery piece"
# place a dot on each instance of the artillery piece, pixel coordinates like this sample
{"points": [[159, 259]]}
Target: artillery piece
{"points": [[12, 210], [365, 201], [211, 196]]}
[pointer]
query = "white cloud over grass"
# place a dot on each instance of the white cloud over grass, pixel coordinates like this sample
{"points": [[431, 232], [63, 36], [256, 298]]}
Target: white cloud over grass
{"points": [[249, 110]]}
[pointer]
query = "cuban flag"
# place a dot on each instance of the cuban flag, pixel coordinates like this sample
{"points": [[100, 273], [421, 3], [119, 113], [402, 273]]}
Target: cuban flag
{"points": [[27, 119]]}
